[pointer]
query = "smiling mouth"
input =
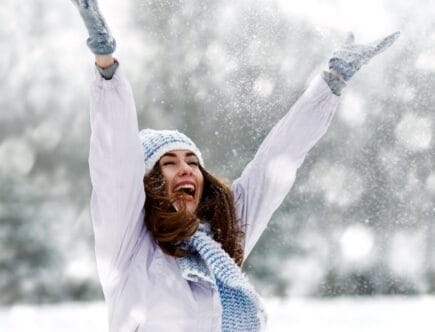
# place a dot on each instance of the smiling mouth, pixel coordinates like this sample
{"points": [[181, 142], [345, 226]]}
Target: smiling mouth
{"points": [[186, 189]]}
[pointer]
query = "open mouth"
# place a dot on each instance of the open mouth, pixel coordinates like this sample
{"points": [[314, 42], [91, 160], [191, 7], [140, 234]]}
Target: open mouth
{"points": [[185, 189]]}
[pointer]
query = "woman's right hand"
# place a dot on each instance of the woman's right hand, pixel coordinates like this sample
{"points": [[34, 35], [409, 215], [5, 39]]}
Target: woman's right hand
{"points": [[100, 40]]}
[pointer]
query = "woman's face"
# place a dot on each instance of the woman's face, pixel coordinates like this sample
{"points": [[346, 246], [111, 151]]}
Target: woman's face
{"points": [[181, 171]]}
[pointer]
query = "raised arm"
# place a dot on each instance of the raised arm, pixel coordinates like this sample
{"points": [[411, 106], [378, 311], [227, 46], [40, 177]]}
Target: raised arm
{"points": [[115, 157], [268, 178]]}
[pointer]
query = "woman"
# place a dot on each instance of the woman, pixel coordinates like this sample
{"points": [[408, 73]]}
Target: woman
{"points": [[171, 262]]}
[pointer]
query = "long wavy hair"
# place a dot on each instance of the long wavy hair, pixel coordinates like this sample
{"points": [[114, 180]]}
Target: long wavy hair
{"points": [[170, 227]]}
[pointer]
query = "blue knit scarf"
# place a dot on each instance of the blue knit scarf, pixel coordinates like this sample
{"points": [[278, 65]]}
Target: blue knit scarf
{"points": [[242, 309]]}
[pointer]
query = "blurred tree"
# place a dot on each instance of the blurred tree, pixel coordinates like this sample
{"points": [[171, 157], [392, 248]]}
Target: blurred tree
{"points": [[227, 72], [43, 152]]}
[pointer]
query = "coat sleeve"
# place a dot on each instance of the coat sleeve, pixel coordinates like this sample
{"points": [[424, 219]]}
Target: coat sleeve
{"points": [[267, 179], [116, 169]]}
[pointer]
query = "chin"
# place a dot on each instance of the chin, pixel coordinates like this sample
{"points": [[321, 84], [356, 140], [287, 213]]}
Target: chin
{"points": [[191, 208]]}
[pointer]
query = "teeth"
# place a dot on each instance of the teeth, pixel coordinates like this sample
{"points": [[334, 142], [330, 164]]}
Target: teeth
{"points": [[185, 186]]}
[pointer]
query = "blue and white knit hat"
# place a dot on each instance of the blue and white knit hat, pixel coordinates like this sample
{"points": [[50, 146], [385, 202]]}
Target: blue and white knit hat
{"points": [[157, 142]]}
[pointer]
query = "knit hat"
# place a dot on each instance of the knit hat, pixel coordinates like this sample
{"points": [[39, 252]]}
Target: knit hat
{"points": [[157, 142]]}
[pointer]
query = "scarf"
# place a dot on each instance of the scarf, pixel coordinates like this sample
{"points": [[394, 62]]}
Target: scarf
{"points": [[242, 309]]}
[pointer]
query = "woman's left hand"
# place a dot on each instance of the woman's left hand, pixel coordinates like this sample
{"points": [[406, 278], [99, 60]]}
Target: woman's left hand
{"points": [[348, 59]]}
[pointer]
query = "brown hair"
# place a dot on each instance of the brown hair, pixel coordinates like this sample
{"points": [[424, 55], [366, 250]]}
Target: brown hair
{"points": [[170, 227]]}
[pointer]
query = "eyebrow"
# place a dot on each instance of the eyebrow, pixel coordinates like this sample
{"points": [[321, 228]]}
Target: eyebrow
{"points": [[171, 154]]}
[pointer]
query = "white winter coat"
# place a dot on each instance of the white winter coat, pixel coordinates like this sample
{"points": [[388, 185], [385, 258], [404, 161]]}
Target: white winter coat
{"points": [[142, 286]]}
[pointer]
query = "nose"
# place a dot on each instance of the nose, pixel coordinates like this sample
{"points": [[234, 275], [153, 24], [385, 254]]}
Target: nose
{"points": [[185, 169]]}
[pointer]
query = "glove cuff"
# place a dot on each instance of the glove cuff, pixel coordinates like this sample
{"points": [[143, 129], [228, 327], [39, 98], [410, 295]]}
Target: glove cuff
{"points": [[344, 68], [335, 83], [102, 44]]}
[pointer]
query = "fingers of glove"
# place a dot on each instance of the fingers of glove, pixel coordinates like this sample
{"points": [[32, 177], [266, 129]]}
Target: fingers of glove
{"points": [[383, 44], [363, 53], [369, 50], [85, 4], [353, 53], [367, 53], [350, 39]]}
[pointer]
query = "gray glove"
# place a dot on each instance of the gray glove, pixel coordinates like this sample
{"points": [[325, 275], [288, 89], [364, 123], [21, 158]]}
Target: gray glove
{"points": [[100, 40], [347, 60]]}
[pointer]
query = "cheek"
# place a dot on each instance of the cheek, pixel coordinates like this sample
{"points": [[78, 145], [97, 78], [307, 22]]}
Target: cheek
{"points": [[166, 188]]}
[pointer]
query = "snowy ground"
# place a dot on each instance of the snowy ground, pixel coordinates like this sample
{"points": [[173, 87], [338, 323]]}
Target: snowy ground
{"points": [[301, 315]]}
